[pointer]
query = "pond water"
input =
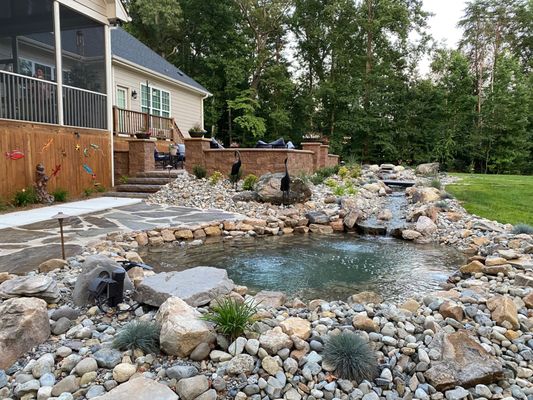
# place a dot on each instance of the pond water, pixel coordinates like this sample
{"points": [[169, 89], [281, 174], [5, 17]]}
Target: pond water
{"points": [[316, 266]]}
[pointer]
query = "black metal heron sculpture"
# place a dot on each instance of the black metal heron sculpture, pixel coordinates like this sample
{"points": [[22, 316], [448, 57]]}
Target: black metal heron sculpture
{"points": [[285, 186], [235, 170]]}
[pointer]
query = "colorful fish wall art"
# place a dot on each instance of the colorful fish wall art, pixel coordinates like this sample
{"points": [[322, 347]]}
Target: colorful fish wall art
{"points": [[86, 152], [47, 145], [89, 170], [14, 154], [56, 170]]}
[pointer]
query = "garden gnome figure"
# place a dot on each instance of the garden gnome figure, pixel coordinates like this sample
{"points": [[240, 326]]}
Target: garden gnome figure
{"points": [[41, 186]]}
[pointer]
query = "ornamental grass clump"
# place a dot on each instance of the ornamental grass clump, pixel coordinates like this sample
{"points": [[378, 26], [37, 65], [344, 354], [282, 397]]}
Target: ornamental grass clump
{"points": [[351, 357], [199, 172], [142, 335], [215, 177], [231, 317], [523, 228], [249, 182]]}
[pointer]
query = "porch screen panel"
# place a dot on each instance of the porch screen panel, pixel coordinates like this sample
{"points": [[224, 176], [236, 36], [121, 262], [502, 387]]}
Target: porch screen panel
{"points": [[84, 75]]}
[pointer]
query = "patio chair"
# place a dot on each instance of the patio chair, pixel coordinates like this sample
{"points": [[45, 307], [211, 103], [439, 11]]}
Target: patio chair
{"points": [[180, 157], [161, 159]]}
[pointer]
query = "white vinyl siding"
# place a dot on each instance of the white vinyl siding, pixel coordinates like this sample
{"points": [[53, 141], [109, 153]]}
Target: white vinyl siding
{"points": [[185, 105]]}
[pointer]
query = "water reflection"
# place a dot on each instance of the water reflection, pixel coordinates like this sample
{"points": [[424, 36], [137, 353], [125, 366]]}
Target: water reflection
{"points": [[312, 266]]}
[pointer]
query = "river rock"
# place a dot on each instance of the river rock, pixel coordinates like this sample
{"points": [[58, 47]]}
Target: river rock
{"points": [[39, 286], [241, 364], [427, 169], [462, 362], [472, 267], [140, 389], [268, 189], [317, 217], [191, 388], [123, 371], [409, 234], [503, 311], [93, 267], [270, 299], [425, 225], [24, 324], [296, 326], [351, 218], [196, 286], [181, 328], [365, 297], [274, 340]]}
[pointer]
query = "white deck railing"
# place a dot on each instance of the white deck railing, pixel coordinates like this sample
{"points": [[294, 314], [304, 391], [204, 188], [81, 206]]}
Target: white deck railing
{"points": [[31, 99]]}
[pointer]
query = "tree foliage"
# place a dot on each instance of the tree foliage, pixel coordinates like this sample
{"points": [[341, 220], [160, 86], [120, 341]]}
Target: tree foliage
{"points": [[347, 70]]}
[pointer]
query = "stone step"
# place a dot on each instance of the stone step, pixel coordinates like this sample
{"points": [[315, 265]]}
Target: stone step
{"points": [[138, 188], [404, 184], [135, 195], [174, 173], [149, 181]]}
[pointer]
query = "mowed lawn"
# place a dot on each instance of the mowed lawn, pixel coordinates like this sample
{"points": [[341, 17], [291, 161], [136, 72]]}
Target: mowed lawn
{"points": [[504, 198]]}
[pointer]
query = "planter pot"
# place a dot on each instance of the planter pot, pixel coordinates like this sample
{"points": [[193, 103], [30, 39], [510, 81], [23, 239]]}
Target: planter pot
{"points": [[142, 135], [196, 134]]}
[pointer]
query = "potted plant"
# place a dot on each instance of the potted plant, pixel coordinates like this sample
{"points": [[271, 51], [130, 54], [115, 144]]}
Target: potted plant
{"points": [[197, 131], [142, 135]]}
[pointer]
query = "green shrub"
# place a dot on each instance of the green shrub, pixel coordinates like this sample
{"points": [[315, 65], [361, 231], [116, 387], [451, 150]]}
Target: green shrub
{"points": [[446, 195], [249, 182], [523, 228], [142, 335], [321, 174], [215, 177], [99, 188], [60, 195], [339, 190], [25, 196], [442, 204], [343, 172], [331, 183], [123, 179], [87, 192], [436, 184], [351, 357], [231, 317], [351, 190], [199, 171], [355, 171]]}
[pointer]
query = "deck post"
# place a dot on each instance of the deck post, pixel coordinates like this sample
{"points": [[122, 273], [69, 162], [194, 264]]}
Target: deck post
{"points": [[59, 63]]}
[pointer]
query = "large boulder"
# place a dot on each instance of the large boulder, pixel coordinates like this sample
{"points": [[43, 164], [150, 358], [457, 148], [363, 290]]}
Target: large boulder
{"points": [[462, 362], [196, 286], [427, 169], [270, 299], [504, 311], [93, 267], [42, 287], [24, 324], [181, 327], [140, 389], [425, 225], [268, 189]]}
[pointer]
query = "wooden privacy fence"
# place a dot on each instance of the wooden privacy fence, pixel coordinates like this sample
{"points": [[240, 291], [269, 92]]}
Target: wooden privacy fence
{"points": [[75, 152]]}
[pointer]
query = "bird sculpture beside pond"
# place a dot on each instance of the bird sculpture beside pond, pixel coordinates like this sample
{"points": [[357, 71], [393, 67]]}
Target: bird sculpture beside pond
{"points": [[285, 186], [235, 170]]}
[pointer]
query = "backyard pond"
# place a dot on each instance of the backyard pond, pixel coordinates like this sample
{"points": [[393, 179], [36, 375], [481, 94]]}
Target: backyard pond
{"points": [[317, 266]]}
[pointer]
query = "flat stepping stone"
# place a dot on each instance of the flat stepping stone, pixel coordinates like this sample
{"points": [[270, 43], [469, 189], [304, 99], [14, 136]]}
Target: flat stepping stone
{"points": [[196, 286]]}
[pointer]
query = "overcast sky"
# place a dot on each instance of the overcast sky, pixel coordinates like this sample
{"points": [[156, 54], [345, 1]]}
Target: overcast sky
{"points": [[443, 24]]}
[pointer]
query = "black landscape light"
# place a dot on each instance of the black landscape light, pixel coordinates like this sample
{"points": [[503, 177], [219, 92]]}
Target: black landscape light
{"points": [[60, 216]]}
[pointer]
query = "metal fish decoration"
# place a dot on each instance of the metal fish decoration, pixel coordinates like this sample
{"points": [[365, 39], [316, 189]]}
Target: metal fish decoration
{"points": [[86, 152], [14, 154], [95, 146], [56, 170], [87, 169], [47, 145]]}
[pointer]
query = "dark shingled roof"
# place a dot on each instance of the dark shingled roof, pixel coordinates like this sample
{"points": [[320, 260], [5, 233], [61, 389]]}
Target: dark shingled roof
{"points": [[129, 48]]}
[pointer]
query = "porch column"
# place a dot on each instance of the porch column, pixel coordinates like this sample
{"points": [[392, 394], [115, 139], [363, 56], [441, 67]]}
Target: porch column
{"points": [[109, 92], [59, 63]]}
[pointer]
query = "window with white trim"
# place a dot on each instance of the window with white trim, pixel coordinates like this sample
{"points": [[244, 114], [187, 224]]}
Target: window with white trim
{"points": [[122, 97], [155, 101]]}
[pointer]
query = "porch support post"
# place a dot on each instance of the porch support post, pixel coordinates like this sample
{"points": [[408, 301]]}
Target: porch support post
{"points": [[59, 63], [109, 99]]}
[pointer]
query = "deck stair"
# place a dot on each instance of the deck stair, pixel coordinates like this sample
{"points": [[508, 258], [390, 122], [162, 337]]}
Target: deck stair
{"points": [[145, 183]]}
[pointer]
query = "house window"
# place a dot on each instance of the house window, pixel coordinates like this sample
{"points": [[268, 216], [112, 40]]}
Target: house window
{"points": [[155, 101], [30, 68], [121, 99]]}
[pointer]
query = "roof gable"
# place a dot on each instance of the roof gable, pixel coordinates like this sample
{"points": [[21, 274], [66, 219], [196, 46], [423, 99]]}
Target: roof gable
{"points": [[127, 47]]}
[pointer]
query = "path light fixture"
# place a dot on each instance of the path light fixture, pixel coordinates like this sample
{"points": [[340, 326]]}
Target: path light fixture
{"points": [[169, 168], [60, 216]]}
